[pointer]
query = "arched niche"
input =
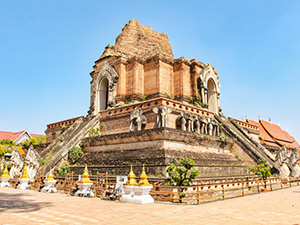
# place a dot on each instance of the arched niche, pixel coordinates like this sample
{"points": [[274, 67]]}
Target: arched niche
{"points": [[104, 88], [103, 95], [212, 97], [211, 87]]}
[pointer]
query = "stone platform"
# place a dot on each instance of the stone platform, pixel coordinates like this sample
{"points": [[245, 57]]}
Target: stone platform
{"points": [[156, 148]]}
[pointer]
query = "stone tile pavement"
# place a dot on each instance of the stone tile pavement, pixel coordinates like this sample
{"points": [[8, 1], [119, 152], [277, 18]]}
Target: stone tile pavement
{"points": [[31, 207]]}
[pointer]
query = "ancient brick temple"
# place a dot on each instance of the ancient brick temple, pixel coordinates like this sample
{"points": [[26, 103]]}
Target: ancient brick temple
{"points": [[153, 108]]}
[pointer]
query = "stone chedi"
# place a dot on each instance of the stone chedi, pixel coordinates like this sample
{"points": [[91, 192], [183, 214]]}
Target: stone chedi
{"points": [[24, 179], [85, 185], [5, 178], [151, 104], [49, 183], [153, 108], [137, 192]]}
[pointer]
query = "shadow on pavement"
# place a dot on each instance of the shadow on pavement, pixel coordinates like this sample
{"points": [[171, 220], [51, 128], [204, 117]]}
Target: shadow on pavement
{"points": [[17, 203]]}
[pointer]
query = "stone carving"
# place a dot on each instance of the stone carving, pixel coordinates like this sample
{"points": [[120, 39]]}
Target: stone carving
{"points": [[203, 124], [18, 162], [32, 159], [280, 162], [162, 116], [185, 121], [197, 124], [216, 128], [293, 163], [210, 127], [137, 120]]}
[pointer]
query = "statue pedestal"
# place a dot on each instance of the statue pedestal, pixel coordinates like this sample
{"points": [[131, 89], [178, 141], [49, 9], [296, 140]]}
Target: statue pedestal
{"points": [[4, 182], [137, 194], [49, 186], [84, 190], [24, 184]]}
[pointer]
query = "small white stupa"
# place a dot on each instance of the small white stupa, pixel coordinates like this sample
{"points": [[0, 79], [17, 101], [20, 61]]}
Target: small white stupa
{"points": [[85, 184], [49, 184], [137, 192], [5, 178], [24, 179]]}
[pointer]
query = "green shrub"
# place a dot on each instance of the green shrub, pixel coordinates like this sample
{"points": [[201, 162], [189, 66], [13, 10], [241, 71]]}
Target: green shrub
{"points": [[94, 132], [5, 150], [74, 154], [181, 175], [65, 168], [263, 170], [8, 142]]}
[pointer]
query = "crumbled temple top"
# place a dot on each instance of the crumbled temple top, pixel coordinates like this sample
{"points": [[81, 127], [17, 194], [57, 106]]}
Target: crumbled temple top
{"points": [[141, 42]]}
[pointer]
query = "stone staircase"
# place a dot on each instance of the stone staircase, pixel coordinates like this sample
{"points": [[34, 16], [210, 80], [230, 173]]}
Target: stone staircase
{"points": [[254, 149], [58, 150]]}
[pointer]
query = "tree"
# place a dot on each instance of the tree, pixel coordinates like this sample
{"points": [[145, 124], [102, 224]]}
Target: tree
{"points": [[183, 174], [262, 169]]}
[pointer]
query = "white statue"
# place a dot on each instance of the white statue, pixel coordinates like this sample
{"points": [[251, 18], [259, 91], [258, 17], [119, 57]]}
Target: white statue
{"points": [[32, 158], [281, 162], [293, 163], [18, 162]]}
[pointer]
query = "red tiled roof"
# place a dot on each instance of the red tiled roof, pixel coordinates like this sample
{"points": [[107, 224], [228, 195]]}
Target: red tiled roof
{"points": [[14, 135], [35, 135], [272, 135], [10, 135]]}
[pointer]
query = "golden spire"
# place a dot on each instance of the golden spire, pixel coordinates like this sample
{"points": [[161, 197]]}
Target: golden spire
{"points": [[24, 173], [247, 120], [5, 172], [85, 176], [144, 178], [50, 176], [131, 178]]}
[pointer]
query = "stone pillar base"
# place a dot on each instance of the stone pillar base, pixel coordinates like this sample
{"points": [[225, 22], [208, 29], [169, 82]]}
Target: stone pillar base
{"points": [[24, 184], [4, 182], [137, 194], [49, 186], [84, 190]]}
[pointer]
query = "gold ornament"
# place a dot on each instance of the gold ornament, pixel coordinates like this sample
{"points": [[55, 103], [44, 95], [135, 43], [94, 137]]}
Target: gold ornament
{"points": [[143, 178], [24, 173], [5, 172], [85, 176], [50, 176], [131, 178]]}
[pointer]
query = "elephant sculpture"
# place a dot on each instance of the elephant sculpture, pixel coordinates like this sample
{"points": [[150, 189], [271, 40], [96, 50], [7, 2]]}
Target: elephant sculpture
{"points": [[209, 127], [162, 116], [197, 124], [137, 120], [185, 121], [216, 127], [203, 124]]}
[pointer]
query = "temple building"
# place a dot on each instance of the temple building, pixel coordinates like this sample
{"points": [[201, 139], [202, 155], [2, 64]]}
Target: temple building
{"points": [[17, 137], [273, 137], [146, 107]]}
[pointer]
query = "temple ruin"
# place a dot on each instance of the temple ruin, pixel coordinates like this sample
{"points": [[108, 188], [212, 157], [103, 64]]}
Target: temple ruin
{"points": [[152, 108]]}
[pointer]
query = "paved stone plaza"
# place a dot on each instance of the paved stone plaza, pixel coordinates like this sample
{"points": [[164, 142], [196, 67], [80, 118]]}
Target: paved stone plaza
{"points": [[31, 207]]}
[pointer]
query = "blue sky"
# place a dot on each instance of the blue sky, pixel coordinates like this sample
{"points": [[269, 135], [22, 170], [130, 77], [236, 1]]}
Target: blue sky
{"points": [[48, 49]]}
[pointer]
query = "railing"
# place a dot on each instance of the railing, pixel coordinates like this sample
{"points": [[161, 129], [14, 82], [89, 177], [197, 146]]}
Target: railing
{"points": [[195, 194], [204, 193]]}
